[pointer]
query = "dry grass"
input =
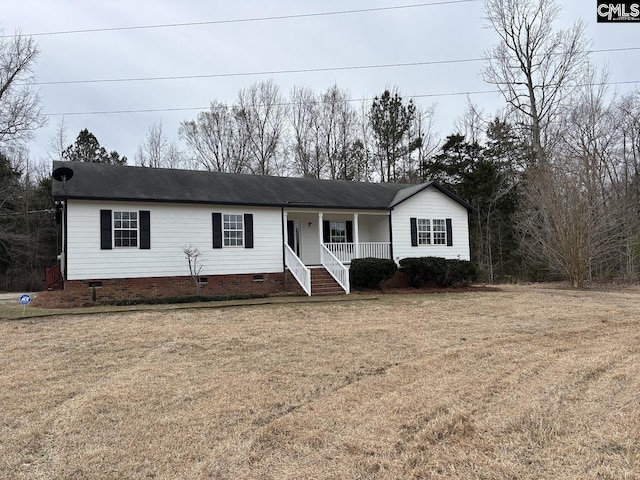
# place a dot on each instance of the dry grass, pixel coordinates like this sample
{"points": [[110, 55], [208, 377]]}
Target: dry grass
{"points": [[528, 383]]}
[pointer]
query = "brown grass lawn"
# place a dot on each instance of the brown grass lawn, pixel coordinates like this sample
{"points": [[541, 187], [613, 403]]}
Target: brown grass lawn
{"points": [[526, 383]]}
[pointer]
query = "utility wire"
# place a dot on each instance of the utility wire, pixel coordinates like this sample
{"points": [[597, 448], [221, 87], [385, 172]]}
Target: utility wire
{"points": [[290, 71], [425, 95], [266, 72], [245, 20]]}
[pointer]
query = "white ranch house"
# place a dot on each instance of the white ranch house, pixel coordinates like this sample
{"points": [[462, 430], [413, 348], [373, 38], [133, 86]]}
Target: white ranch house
{"points": [[133, 223]]}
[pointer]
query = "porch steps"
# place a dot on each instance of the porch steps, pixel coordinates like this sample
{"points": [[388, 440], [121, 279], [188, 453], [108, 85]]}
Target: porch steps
{"points": [[322, 283], [53, 277]]}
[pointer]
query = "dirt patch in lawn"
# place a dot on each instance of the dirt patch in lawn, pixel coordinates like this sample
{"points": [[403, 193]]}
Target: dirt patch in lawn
{"points": [[527, 382]]}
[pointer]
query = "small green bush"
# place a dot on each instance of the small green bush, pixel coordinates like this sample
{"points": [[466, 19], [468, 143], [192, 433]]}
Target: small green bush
{"points": [[439, 271], [370, 272]]}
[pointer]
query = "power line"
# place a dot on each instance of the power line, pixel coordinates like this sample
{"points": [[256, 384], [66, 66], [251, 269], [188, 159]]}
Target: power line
{"points": [[290, 71], [266, 72], [246, 20], [425, 95], [184, 109]]}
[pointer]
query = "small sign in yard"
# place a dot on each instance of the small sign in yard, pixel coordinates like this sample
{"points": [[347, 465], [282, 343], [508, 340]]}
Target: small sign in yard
{"points": [[25, 300]]}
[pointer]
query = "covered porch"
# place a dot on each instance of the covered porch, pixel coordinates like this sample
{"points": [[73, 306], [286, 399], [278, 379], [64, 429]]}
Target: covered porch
{"points": [[332, 239], [347, 236]]}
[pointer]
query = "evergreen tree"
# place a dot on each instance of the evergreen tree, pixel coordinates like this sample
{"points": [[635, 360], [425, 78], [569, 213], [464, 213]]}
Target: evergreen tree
{"points": [[391, 120], [487, 176], [87, 148]]}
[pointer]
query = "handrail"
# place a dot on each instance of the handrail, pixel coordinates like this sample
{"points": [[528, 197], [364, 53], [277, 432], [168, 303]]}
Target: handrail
{"points": [[335, 267], [53, 276], [298, 269], [345, 252]]}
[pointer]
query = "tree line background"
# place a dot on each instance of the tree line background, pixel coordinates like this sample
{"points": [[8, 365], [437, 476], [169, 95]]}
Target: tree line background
{"points": [[553, 172]]}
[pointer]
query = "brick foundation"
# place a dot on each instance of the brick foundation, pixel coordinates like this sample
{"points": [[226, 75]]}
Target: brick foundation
{"points": [[81, 292]]}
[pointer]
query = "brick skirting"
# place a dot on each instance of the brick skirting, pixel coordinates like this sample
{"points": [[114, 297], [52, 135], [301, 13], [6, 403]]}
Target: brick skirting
{"points": [[89, 292]]}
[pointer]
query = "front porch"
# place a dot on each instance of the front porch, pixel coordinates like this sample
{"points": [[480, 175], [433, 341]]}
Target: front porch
{"points": [[332, 240]]}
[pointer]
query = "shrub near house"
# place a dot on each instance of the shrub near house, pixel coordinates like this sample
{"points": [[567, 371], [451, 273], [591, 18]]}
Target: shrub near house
{"points": [[370, 272], [442, 272]]}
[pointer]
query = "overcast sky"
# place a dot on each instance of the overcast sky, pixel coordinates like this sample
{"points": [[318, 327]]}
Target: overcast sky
{"points": [[419, 33]]}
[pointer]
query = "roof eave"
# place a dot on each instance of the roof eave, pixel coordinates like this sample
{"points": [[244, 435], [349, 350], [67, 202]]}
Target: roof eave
{"points": [[313, 206]]}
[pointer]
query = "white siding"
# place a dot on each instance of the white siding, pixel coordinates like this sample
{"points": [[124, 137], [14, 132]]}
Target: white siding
{"points": [[374, 228], [430, 203], [172, 227]]}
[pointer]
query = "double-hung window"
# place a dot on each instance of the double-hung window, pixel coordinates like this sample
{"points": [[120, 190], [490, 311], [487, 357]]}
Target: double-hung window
{"points": [[424, 231], [233, 230], [125, 229], [338, 232], [430, 231], [439, 232]]}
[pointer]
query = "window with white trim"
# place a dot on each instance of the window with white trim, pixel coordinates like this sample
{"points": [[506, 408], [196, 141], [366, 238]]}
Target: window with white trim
{"points": [[338, 232], [233, 230], [424, 231], [125, 229], [439, 232], [431, 231]]}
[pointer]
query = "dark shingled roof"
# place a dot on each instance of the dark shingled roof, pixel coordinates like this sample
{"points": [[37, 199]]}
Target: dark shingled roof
{"points": [[97, 181]]}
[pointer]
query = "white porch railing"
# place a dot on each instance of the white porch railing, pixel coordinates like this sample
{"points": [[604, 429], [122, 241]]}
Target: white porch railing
{"points": [[335, 268], [345, 252], [298, 269]]}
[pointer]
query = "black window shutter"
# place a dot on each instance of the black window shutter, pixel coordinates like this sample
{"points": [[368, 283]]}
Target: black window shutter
{"points": [[414, 232], [449, 233], [217, 230], [326, 231], [105, 230], [248, 230], [349, 231], [145, 229], [290, 234]]}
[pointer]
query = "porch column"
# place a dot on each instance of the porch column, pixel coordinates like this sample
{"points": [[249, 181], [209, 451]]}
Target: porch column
{"points": [[356, 236], [320, 224]]}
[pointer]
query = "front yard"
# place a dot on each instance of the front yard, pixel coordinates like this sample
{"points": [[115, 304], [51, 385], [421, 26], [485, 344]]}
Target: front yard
{"points": [[528, 382]]}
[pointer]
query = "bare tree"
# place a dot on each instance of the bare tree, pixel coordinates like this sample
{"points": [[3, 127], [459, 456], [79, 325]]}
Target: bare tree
{"points": [[628, 109], [337, 131], [59, 142], [217, 139], [363, 148], [472, 123], [262, 112], [157, 151], [20, 112], [533, 65], [423, 127], [194, 261], [303, 116], [562, 226]]}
